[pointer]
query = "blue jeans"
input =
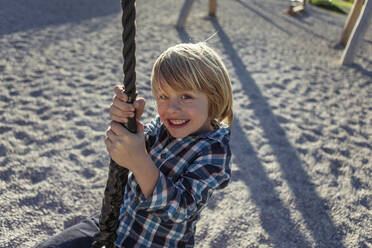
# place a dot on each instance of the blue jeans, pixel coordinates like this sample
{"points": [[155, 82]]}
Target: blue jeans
{"points": [[76, 236]]}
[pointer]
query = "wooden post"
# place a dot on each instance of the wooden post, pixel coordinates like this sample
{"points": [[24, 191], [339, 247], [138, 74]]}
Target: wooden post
{"points": [[184, 13], [299, 8], [212, 7], [357, 34], [351, 20], [296, 9]]}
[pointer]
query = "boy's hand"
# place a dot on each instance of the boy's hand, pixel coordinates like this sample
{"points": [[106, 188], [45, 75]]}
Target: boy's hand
{"points": [[120, 110], [128, 150], [124, 147]]}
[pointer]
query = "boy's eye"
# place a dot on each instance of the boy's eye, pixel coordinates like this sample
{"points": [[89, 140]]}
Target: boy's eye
{"points": [[163, 97], [186, 97]]}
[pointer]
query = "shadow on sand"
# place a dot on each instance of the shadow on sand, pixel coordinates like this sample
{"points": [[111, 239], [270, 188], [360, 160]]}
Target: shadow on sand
{"points": [[274, 215], [307, 201], [264, 17], [298, 21], [22, 15], [362, 70]]}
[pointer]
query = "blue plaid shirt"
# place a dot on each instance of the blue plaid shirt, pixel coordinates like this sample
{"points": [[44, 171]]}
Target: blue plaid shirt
{"points": [[190, 169]]}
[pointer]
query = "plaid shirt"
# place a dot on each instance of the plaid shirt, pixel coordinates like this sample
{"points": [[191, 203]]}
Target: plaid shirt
{"points": [[190, 169]]}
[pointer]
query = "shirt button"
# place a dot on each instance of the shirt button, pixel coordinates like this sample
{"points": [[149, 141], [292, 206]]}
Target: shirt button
{"points": [[163, 156]]}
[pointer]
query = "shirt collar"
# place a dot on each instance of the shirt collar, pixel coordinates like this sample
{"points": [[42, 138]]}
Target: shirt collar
{"points": [[220, 134]]}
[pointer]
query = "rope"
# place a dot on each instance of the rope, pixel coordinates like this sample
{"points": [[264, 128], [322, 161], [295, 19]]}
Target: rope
{"points": [[118, 176], [129, 49]]}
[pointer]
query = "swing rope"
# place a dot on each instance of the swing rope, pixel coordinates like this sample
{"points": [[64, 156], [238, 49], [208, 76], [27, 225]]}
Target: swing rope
{"points": [[118, 176]]}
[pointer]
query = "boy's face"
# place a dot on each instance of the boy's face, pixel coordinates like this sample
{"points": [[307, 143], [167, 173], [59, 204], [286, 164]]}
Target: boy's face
{"points": [[183, 112]]}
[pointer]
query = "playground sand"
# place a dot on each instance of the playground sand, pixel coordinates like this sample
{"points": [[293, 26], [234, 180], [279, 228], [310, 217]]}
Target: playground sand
{"points": [[301, 138]]}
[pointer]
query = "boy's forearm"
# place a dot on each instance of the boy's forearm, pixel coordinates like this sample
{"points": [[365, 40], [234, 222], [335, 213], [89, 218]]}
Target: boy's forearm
{"points": [[146, 174]]}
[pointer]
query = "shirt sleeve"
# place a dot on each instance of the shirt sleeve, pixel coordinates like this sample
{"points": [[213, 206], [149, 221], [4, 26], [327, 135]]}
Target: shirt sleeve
{"points": [[181, 200]]}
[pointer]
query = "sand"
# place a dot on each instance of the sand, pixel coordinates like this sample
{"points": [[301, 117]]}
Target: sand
{"points": [[301, 138]]}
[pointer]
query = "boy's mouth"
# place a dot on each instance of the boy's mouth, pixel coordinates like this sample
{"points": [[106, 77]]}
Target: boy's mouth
{"points": [[177, 123]]}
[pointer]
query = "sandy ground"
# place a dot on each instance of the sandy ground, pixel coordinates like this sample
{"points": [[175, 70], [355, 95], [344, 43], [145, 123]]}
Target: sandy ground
{"points": [[301, 139]]}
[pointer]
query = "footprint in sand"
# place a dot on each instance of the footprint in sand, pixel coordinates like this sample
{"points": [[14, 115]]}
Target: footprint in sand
{"points": [[335, 167], [87, 152], [304, 138], [92, 113], [81, 145], [42, 110], [88, 173], [348, 129], [27, 140], [35, 175], [345, 153], [46, 200], [3, 150], [55, 139], [5, 175], [328, 150], [49, 154], [9, 79], [5, 129], [366, 202], [36, 93], [5, 99], [357, 183], [363, 145], [80, 134], [91, 77]]}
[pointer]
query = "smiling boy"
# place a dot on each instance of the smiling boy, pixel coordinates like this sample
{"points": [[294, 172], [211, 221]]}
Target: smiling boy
{"points": [[177, 160]]}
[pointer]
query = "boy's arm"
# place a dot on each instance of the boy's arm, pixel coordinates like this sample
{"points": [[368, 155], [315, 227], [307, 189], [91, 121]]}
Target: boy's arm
{"points": [[181, 200], [146, 175]]}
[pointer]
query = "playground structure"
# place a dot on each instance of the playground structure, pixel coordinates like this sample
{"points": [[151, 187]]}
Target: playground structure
{"points": [[185, 11], [296, 7], [355, 28]]}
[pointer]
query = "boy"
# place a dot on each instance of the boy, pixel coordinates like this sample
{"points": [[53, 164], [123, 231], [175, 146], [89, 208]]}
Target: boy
{"points": [[177, 160]]}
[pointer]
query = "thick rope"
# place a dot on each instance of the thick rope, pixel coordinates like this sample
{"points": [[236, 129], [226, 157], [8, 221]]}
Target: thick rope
{"points": [[118, 176], [129, 49]]}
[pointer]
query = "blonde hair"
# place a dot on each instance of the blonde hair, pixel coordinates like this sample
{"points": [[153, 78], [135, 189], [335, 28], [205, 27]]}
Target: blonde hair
{"points": [[196, 67]]}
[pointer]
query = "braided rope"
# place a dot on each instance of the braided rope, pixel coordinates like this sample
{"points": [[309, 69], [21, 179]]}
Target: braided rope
{"points": [[129, 49], [118, 176]]}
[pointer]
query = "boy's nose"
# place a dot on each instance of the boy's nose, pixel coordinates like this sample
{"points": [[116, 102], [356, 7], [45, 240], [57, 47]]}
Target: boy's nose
{"points": [[174, 106]]}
